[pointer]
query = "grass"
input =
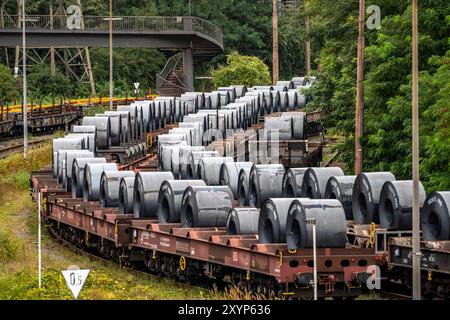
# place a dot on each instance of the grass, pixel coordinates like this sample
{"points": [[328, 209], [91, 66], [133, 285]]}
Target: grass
{"points": [[18, 251]]}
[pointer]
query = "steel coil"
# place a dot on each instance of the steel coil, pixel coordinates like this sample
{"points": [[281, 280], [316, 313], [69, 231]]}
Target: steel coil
{"points": [[64, 144], [435, 217], [194, 159], [293, 103], [293, 182], [208, 169], [146, 192], [214, 98], [110, 186], [90, 132], [67, 170], [330, 223], [266, 181], [91, 180], [125, 122], [197, 131], [241, 90], [244, 185], [180, 161], [206, 206], [288, 84], [103, 130], [116, 128], [232, 92], [243, 221], [170, 198], [272, 220], [298, 124], [366, 196], [229, 175], [126, 194], [298, 81], [341, 188], [78, 167], [315, 181], [168, 153], [396, 202], [281, 126]]}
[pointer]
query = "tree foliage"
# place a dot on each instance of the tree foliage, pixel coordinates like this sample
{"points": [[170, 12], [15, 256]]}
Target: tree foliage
{"points": [[8, 85], [41, 83], [240, 69]]}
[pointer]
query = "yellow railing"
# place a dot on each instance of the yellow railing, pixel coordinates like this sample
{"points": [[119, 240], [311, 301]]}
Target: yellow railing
{"points": [[76, 102]]}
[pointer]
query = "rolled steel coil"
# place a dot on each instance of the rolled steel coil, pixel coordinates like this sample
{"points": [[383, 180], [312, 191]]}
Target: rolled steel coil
{"points": [[90, 132], [282, 126], [244, 185], [70, 158], [293, 182], [171, 114], [209, 169], [116, 128], [133, 112], [280, 88], [315, 181], [197, 132], [168, 139], [198, 117], [224, 97], [266, 181], [252, 108], [126, 194], [64, 144], [243, 221], [366, 196], [126, 124], [435, 217], [110, 186], [293, 103], [275, 101], [146, 192], [298, 124], [170, 198], [214, 98], [194, 159], [103, 134], [284, 101], [240, 90], [92, 176], [232, 92], [272, 220], [262, 88], [206, 206], [341, 188], [180, 162], [301, 100], [79, 164], [188, 132], [191, 101], [200, 98], [168, 153], [396, 202], [287, 84], [330, 223], [229, 175], [61, 163], [298, 81]]}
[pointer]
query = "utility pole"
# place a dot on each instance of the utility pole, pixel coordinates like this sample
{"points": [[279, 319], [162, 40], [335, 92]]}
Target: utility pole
{"points": [[308, 41], [275, 68], [110, 58], [24, 78], [359, 112], [52, 48], [415, 153]]}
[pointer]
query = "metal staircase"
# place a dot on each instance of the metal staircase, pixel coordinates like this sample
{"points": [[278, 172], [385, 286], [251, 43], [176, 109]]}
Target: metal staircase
{"points": [[171, 80]]}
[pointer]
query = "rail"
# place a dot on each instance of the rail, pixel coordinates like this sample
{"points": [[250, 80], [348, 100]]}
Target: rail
{"points": [[120, 23]]}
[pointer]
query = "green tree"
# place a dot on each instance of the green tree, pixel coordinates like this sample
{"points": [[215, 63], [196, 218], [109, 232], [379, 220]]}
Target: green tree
{"points": [[241, 70], [8, 85], [42, 84]]}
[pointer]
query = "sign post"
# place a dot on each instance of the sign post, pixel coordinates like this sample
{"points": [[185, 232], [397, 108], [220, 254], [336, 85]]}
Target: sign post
{"points": [[75, 279]]}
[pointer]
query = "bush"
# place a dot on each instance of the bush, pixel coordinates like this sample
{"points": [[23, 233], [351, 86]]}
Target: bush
{"points": [[239, 69], [8, 247]]}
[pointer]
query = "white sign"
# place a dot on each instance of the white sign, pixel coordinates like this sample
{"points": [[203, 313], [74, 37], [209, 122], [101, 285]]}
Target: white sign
{"points": [[74, 20], [136, 85], [75, 280]]}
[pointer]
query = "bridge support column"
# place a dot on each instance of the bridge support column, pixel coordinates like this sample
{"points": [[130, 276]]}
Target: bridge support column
{"points": [[188, 68]]}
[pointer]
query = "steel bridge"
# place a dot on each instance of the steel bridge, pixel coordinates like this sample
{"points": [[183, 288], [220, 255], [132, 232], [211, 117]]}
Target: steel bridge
{"points": [[197, 38]]}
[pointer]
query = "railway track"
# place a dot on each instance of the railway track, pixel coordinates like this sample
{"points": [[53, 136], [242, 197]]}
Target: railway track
{"points": [[16, 148]]}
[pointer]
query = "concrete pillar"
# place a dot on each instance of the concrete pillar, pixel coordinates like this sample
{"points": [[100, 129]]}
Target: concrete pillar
{"points": [[188, 68]]}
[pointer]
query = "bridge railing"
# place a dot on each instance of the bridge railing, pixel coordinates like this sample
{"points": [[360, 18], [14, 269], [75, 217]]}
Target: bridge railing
{"points": [[120, 23]]}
